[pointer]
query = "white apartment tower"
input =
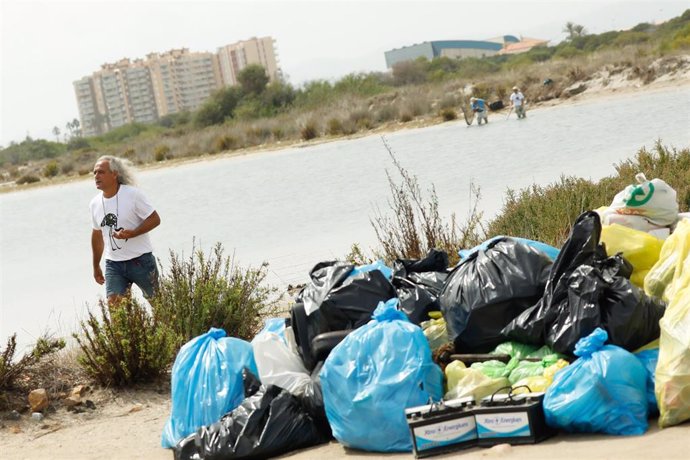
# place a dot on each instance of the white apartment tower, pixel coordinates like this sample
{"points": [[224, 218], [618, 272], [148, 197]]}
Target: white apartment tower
{"points": [[144, 90], [233, 58]]}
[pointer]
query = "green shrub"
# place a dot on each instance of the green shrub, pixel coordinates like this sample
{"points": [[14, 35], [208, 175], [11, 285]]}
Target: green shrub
{"points": [[309, 131], [226, 142], [10, 372], [448, 114], [126, 345], [27, 179], [406, 117], [77, 143], [207, 291], [129, 153], [51, 169], [524, 212], [161, 152], [278, 133]]}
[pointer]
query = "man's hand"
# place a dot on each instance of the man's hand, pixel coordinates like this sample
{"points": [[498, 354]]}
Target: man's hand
{"points": [[98, 275], [123, 234]]}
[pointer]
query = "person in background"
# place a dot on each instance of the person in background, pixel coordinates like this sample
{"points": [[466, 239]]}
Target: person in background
{"points": [[517, 101], [122, 218], [481, 109]]}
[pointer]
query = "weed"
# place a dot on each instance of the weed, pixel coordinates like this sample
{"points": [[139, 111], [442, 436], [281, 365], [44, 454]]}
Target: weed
{"points": [[10, 372], [309, 131], [27, 179]]}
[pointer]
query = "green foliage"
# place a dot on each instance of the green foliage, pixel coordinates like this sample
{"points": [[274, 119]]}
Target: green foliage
{"points": [[207, 291], [10, 372], [334, 127], [360, 84], [219, 107], [174, 120], [27, 179], [126, 346], [253, 79], [126, 132], [51, 169], [681, 40], [77, 143], [30, 150], [546, 213]]}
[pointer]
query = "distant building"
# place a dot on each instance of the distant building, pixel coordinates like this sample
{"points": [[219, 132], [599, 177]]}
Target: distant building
{"points": [[524, 45], [449, 48], [143, 90], [233, 58]]}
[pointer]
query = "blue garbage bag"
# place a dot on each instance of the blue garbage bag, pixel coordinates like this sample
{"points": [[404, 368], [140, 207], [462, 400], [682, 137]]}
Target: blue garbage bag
{"points": [[206, 382], [373, 375], [378, 265], [550, 251], [649, 358], [602, 391]]}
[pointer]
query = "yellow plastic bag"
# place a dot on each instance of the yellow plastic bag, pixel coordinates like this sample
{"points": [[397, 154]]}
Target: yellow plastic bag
{"points": [[463, 382], [672, 377], [639, 248], [540, 382], [672, 264]]}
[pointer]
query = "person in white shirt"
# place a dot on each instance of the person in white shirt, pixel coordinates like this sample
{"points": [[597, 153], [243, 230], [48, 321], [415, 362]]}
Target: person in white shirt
{"points": [[122, 218], [517, 101]]}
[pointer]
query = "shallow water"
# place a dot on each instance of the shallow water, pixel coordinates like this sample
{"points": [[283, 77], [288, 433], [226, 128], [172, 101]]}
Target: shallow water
{"points": [[295, 207]]}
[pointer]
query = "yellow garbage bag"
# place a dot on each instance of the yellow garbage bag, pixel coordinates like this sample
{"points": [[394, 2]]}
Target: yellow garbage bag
{"points": [[538, 383], [673, 262], [463, 382], [672, 377], [639, 248]]}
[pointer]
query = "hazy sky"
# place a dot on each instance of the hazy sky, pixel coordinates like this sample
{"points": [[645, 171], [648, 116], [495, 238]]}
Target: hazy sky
{"points": [[49, 44]]}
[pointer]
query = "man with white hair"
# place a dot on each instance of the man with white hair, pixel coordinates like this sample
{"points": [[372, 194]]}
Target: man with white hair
{"points": [[122, 219], [517, 101]]}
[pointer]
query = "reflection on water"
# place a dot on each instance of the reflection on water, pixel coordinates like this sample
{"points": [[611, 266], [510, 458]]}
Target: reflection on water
{"points": [[295, 207]]}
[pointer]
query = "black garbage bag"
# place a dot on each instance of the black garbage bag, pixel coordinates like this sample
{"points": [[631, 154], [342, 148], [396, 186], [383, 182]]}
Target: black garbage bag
{"points": [[431, 281], [590, 291], [269, 422], [335, 301], [630, 317], [581, 247], [489, 289], [415, 301], [435, 261]]}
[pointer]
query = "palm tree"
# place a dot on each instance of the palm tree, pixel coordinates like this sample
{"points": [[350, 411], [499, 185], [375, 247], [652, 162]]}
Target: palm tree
{"points": [[574, 30]]}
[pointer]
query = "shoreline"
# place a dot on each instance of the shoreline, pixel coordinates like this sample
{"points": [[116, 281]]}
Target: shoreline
{"points": [[596, 93]]}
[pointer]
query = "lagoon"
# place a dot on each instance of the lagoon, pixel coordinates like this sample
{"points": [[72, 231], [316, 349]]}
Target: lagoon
{"points": [[295, 207]]}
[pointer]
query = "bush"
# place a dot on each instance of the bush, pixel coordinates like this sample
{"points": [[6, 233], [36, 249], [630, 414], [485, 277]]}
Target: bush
{"points": [[77, 143], [563, 201], [67, 167], [51, 169], [211, 291], [448, 114], [129, 153], [27, 179], [309, 131], [406, 117], [10, 372], [161, 152], [126, 346], [226, 142], [334, 127], [386, 113]]}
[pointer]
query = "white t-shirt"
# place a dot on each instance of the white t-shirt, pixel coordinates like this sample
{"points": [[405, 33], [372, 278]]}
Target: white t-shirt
{"points": [[517, 99], [127, 209]]}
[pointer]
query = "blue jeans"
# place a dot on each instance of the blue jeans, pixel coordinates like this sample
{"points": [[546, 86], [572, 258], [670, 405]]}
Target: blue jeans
{"points": [[141, 271]]}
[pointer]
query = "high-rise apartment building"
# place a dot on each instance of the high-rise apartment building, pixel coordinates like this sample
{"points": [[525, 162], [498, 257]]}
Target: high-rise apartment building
{"points": [[144, 90], [233, 58]]}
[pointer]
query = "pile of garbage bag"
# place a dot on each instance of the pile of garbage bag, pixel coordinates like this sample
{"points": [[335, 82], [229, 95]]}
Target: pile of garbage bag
{"points": [[601, 326]]}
